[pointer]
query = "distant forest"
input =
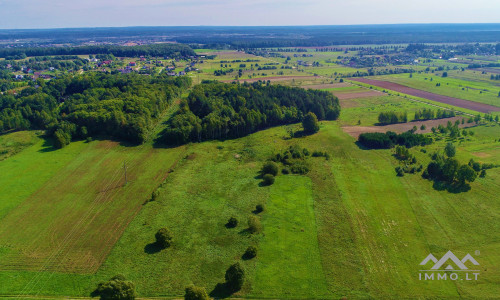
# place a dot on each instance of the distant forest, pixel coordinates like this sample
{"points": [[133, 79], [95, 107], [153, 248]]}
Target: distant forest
{"points": [[220, 111], [119, 106], [269, 36], [159, 50]]}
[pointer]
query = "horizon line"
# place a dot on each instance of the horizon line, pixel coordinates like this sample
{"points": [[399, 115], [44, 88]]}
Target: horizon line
{"points": [[250, 26]]}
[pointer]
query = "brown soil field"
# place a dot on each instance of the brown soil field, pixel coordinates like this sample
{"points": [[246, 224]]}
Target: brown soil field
{"points": [[480, 107], [346, 96], [355, 131]]}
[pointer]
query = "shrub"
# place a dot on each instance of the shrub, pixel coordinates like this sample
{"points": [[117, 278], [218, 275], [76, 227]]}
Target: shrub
{"points": [[163, 237], [254, 225], [285, 171], [270, 168], [155, 195], [310, 123], [232, 222], [483, 173], [115, 288], [251, 252], [400, 171], [259, 208], [268, 179], [196, 293], [299, 168], [235, 277]]}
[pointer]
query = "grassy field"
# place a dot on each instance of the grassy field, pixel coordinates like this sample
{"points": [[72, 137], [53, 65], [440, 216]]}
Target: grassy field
{"points": [[64, 210], [478, 91], [366, 110]]}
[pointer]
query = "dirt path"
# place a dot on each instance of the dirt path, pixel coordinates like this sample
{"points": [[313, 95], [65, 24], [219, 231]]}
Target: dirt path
{"points": [[480, 107]]}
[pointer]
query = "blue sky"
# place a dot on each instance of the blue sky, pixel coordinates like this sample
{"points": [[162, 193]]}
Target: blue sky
{"points": [[97, 13]]}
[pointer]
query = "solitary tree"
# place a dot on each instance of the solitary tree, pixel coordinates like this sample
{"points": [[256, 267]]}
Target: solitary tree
{"points": [[270, 168], [163, 237], [251, 252], [235, 277], [232, 222], [117, 288], [310, 123]]}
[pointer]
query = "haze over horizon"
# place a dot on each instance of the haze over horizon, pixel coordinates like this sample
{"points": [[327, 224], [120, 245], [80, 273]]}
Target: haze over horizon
{"points": [[34, 14]]}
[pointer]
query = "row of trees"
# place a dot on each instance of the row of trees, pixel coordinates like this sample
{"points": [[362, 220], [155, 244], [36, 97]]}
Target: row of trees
{"points": [[392, 117], [378, 140], [219, 111], [92, 104], [430, 114]]}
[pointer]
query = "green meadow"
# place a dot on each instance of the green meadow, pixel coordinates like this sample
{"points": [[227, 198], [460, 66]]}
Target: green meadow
{"points": [[349, 228], [478, 91]]}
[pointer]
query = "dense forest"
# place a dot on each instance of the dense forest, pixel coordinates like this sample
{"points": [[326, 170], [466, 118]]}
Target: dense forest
{"points": [[158, 50], [219, 111], [92, 104]]}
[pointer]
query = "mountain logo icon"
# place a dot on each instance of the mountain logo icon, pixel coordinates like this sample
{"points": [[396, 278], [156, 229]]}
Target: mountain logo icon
{"points": [[449, 256]]}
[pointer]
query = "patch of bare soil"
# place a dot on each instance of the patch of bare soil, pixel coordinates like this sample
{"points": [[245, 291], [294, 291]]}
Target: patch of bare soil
{"points": [[346, 96]]}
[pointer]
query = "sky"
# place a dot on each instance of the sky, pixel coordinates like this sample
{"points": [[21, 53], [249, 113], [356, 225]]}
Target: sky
{"points": [[21, 14]]}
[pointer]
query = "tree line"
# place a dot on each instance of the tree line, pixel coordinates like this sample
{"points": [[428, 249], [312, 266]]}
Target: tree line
{"points": [[220, 111], [378, 140], [160, 50], [392, 117], [430, 114], [91, 104]]}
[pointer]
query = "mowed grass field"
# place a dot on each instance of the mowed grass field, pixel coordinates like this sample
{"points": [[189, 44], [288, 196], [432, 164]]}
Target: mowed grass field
{"points": [[62, 211]]}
